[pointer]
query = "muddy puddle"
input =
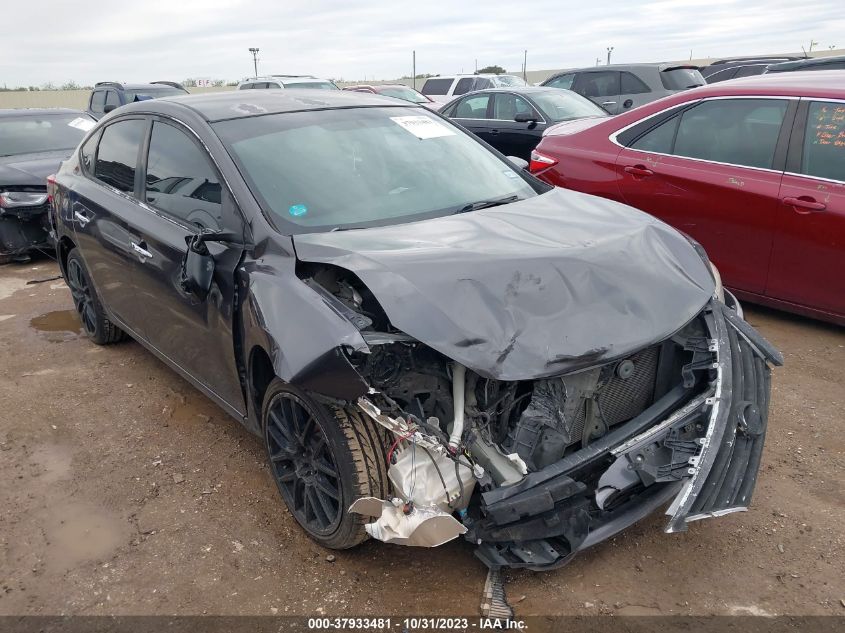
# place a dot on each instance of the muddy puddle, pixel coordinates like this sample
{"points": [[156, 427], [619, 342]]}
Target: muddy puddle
{"points": [[58, 326], [80, 532], [52, 462]]}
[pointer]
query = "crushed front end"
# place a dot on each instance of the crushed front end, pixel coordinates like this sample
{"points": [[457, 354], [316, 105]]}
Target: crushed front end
{"points": [[539, 470]]}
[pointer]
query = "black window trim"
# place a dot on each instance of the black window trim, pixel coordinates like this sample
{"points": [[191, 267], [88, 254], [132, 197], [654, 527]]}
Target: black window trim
{"points": [[795, 153], [779, 159]]}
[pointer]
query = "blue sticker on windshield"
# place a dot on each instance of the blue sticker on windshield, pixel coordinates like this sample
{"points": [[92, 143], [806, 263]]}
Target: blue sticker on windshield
{"points": [[298, 209]]}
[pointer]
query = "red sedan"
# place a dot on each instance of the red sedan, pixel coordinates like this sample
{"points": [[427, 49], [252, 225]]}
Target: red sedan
{"points": [[754, 169]]}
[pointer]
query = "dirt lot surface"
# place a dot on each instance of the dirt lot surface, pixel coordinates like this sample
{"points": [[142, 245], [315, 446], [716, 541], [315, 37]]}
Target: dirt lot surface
{"points": [[125, 491]]}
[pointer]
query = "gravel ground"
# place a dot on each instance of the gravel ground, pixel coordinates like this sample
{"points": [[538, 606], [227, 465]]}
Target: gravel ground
{"points": [[125, 491]]}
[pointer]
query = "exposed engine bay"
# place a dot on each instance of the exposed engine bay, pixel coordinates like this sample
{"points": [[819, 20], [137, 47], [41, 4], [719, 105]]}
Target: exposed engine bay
{"points": [[533, 471]]}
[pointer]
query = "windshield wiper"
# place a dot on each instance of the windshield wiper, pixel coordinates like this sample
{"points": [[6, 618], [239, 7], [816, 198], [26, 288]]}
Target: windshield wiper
{"points": [[486, 204]]}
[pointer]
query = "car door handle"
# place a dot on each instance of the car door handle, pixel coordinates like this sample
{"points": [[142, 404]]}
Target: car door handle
{"points": [[138, 248], [81, 218], [804, 204], [638, 171], [608, 103]]}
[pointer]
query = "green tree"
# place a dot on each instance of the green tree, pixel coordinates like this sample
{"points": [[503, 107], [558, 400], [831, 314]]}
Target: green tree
{"points": [[495, 70]]}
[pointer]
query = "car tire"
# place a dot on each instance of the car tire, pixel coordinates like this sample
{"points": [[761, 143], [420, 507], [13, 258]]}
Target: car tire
{"points": [[322, 459], [88, 306]]}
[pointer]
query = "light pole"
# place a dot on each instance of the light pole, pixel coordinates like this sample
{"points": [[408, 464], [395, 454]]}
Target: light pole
{"points": [[525, 66], [609, 51], [254, 52]]}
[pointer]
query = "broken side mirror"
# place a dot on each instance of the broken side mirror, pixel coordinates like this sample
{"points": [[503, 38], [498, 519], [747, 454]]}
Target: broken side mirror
{"points": [[198, 264], [197, 268]]}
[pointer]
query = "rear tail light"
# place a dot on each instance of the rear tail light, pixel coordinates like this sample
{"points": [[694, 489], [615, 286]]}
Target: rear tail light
{"points": [[540, 162]]}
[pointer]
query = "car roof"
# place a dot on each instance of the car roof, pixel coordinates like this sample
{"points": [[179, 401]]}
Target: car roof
{"points": [[117, 85], [238, 104], [811, 83], [527, 90], [803, 63], [16, 112]]}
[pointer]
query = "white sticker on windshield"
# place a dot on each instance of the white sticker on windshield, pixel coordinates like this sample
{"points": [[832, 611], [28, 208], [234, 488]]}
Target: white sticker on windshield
{"points": [[82, 124], [422, 127]]}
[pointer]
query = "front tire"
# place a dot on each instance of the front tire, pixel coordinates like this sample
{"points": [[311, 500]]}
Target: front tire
{"points": [[95, 322], [323, 458]]}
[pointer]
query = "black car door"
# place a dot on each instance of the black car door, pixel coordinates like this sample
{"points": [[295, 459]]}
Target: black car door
{"points": [[516, 138], [182, 194], [103, 206], [473, 113]]}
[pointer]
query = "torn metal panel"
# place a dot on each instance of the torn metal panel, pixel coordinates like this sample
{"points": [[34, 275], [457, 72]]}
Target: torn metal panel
{"points": [[538, 288]]}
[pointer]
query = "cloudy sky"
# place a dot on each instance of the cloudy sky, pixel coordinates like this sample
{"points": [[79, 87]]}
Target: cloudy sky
{"points": [[58, 41]]}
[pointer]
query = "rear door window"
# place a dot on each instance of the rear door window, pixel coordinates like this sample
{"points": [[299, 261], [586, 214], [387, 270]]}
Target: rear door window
{"points": [[735, 131], [824, 141], [660, 139], [464, 85], [436, 86], [598, 84], [723, 75], [750, 71], [473, 107], [117, 154]]}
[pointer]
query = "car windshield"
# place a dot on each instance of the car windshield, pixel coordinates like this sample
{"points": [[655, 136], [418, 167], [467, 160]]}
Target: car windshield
{"points": [[406, 94], [357, 167], [314, 85], [564, 105], [141, 94], [681, 78], [30, 134], [507, 81]]}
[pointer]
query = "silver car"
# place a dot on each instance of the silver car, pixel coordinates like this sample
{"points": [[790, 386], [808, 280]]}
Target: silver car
{"points": [[620, 87]]}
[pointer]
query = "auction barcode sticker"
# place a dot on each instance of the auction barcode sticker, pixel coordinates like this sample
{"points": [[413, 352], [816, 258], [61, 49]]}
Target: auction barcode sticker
{"points": [[82, 124], [422, 127]]}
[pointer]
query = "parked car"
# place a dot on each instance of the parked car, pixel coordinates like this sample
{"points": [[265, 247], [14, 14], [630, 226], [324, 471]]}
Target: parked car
{"points": [[287, 81], [433, 345], [724, 69], [513, 120], [108, 95], [397, 91], [32, 145], [815, 63], [754, 169], [444, 89], [620, 87]]}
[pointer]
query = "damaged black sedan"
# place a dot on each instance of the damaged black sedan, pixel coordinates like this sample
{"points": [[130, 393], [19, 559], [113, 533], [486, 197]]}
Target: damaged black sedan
{"points": [[33, 142], [430, 342]]}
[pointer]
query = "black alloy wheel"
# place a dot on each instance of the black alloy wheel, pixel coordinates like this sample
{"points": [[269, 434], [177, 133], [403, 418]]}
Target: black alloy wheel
{"points": [[303, 465], [323, 458], [88, 306], [80, 291]]}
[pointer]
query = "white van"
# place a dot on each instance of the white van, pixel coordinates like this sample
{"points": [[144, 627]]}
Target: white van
{"points": [[442, 89]]}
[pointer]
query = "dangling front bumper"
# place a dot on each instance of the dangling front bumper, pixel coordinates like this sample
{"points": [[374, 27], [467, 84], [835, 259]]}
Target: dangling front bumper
{"points": [[700, 451]]}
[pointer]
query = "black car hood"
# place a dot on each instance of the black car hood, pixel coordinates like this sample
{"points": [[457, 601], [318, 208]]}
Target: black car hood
{"points": [[551, 284], [30, 169]]}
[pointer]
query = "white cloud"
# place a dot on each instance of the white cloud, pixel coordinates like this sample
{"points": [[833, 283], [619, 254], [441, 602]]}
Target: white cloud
{"points": [[174, 39]]}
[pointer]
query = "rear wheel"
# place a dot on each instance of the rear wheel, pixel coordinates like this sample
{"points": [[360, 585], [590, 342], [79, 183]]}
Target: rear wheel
{"points": [[323, 458], [94, 320]]}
